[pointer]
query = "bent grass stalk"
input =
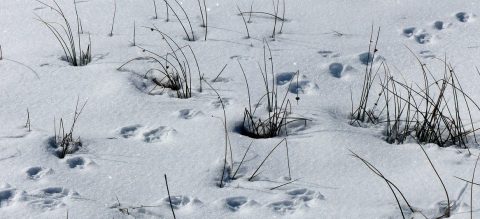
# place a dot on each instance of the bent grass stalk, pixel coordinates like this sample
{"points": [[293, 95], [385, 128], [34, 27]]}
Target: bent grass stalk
{"points": [[189, 37], [155, 9], [220, 73], [244, 21], [268, 155], [390, 184], [221, 184], [114, 15]]}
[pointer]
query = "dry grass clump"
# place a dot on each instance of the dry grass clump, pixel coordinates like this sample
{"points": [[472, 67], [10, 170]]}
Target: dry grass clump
{"points": [[69, 37], [64, 141], [435, 111], [275, 119], [172, 70]]}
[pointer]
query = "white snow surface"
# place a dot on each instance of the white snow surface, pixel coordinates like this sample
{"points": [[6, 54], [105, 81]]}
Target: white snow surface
{"points": [[131, 138]]}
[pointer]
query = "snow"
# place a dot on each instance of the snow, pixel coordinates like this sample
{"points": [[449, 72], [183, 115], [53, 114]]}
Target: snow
{"points": [[131, 138]]}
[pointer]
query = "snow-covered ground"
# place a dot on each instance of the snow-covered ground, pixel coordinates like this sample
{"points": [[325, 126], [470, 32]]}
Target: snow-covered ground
{"points": [[131, 138]]}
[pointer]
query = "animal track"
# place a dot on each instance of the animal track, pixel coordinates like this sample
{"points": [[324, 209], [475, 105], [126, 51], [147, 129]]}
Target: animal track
{"points": [[305, 87], [35, 173], [235, 203], [76, 162], [420, 36], [7, 196], [226, 101], [283, 207], [365, 58], [423, 37], [304, 195], [46, 199], [178, 203], [239, 202], [296, 198], [79, 162], [189, 113], [336, 69], [284, 78], [328, 54], [440, 25], [129, 131], [464, 17], [159, 134], [408, 32], [50, 198], [182, 201]]}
